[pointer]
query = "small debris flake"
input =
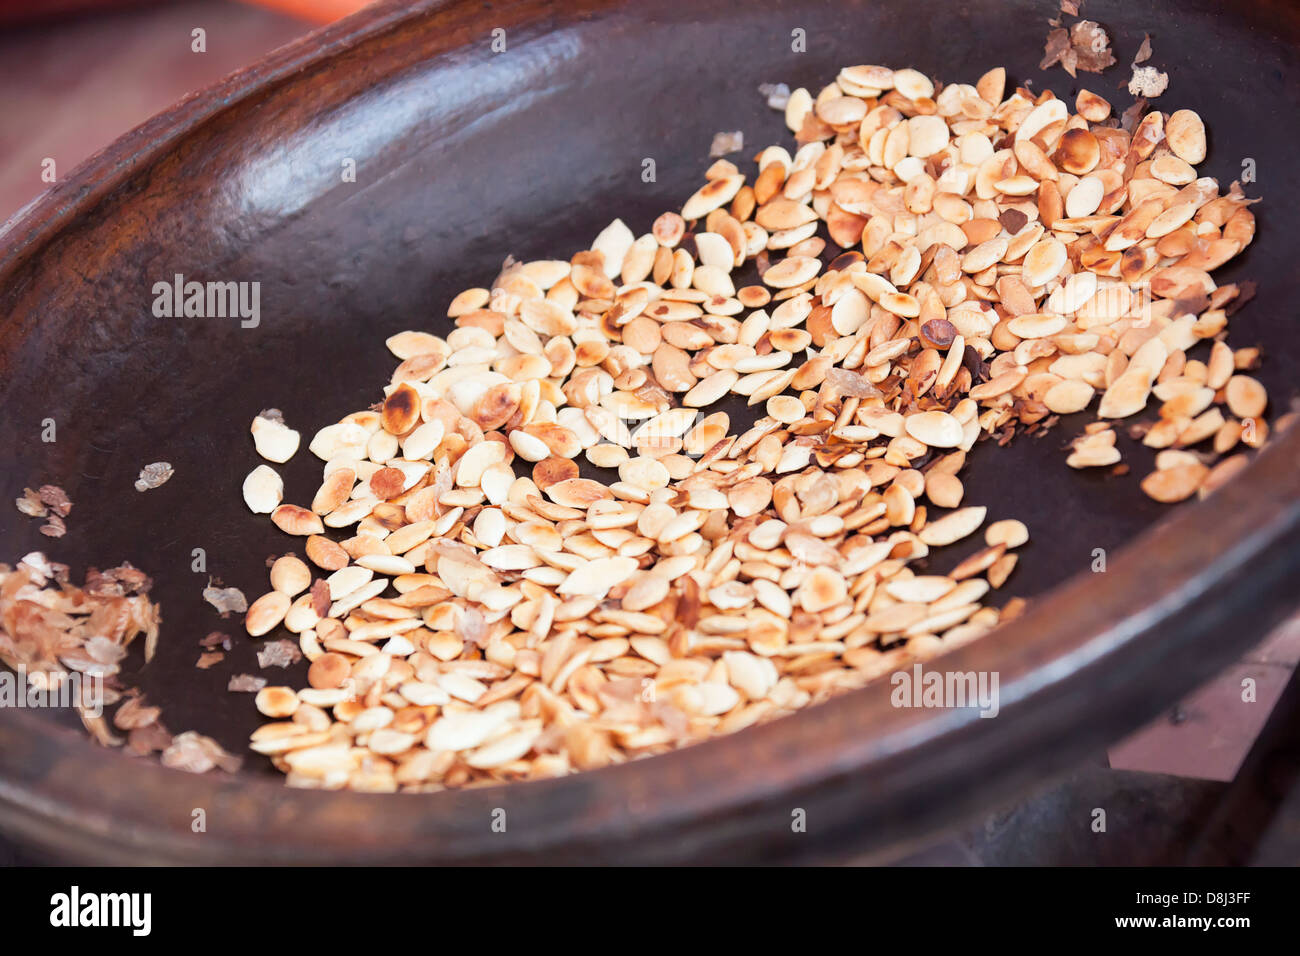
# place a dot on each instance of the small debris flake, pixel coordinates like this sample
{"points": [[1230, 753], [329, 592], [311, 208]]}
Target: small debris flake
{"points": [[195, 753], [54, 527], [246, 684], [777, 95], [724, 143], [1085, 46], [215, 639], [1144, 51], [56, 499], [31, 505], [280, 653], [1148, 82], [151, 476], [226, 600]]}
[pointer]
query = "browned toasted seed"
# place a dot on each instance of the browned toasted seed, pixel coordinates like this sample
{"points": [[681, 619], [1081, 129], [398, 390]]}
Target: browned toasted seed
{"points": [[334, 490], [328, 671], [712, 195], [277, 701], [290, 575], [387, 483], [551, 471], [1246, 396], [325, 554], [981, 560], [1091, 106], [1001, 569], [1175, 484], [292, 519], [943, 489], [266, 612], [401, 410], [1078, 152]]}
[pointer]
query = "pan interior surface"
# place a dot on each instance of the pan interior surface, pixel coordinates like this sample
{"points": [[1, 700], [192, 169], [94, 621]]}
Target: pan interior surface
{"points": [[462, 156]]}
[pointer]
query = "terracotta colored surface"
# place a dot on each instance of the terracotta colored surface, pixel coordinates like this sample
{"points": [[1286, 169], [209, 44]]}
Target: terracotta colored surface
{"points": [[70, 87], [314, 11], [31, 11], [1208, 733]]}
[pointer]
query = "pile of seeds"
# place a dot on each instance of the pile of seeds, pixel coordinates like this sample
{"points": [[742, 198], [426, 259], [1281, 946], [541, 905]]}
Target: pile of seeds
{"points": [[1004, 260]]}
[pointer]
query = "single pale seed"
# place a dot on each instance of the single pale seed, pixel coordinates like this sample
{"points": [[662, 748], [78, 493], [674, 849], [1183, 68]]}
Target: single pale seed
{"points": [[710, 389], [266, 612], [822, 588], [1185, 134], [791, 271], [290, 575], [1245, 396], [936, 429], [344, 440], [953, 526], [1008, 531], [1175, 484], [263, 490], [277, 701], [274, 440], [1068, 396], [943, 489]]}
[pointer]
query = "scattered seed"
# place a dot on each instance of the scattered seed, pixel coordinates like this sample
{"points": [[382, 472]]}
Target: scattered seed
{"points": [[292, 519], [953, 526], [227, 601], [274, 440], [936, 429], [151, 476], [277, 701], [1008, 531], [263, 490], [1176, 483], [1246, 397], [266, 612], [290, 575]]}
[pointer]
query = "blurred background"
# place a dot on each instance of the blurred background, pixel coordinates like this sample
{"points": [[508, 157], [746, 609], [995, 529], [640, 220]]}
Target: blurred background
{"points": [[1213, 782], [76, 74]]}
